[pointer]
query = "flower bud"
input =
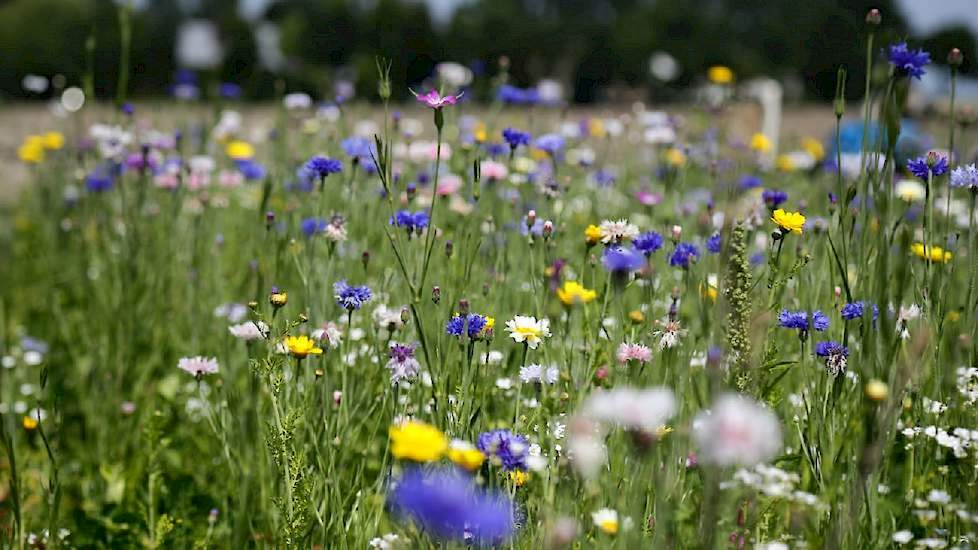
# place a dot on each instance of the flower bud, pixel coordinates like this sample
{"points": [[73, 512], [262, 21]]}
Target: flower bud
{"points": [[548, 229], [435, 294], [449, 248], [531, 218], [405, 314], [463, 307], [955, 58], [278, 298], [877, 390], [269, 219], [365, 258], [874, 17], [677, 232], [337, 397], [412, 190]]}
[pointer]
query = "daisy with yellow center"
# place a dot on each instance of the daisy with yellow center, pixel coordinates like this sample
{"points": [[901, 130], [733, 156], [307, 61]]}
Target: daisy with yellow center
{"points": [[239, 150], [760, 143], [606, 520], [417, 441], [527, 329], [464, 454], [573, 293], [931, 253], [789, 221], [302, 346]]}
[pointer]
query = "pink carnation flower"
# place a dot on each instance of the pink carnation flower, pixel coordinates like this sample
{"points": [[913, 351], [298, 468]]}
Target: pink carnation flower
{"points": [[634, 352], [436, 101]]}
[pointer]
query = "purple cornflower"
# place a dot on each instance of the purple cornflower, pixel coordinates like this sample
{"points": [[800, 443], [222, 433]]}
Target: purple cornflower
{"points": [[446, 504], [515, 137], [647, 243], [604, 178], [494, 149], [684, 255], [620, 260], [412, 222], [550, 143], [906, 61], [774, 197], [357, 147], [98, 180], [713, 244], [351, 297], [933, 164], [436, 101], [505, 448], [320, 167], [402, 363], [965, 176]]}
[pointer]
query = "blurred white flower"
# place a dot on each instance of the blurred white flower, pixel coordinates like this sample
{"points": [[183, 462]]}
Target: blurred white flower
{"points": [[737, 430]]}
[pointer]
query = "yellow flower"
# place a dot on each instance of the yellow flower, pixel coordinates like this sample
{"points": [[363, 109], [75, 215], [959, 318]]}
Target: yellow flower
{"points": [[490, 323], [953, 316], [519, 477], [30, 423], [466, 455], [789, 221], [301, 346], [32, 150], [931, 253], [877, 390], [663, 431], [573, 293], [636, 316], [675, 157], [719, 74], [814, 148], [417, 441], [479, 132], [595, 127], [784, 163], [239, 150], [759, 142], [910, 191], [278, 299], [53, 140], [592, 235]]}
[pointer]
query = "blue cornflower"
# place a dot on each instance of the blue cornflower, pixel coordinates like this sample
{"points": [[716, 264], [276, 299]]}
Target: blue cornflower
{"points": [[604, 178], [494, 149], [311, 226], [683, 255], [517, 96], [412, 222], [932, 164], [713, 244], [621, 260], [351, 297], [774, 197], [98, 180], [508, 449], [356, 147], [471, 325], [854, 310], [515, 137], [550, 143], [230, 90], [793, 319], [907, 61], [830, 348], [965, 176], [647, 243], [251, 170], [749, 182], [448, 505], [320, 166], [820, 321]]}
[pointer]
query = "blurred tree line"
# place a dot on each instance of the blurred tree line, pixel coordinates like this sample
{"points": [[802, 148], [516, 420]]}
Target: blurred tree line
{"points": [[590, 45]]}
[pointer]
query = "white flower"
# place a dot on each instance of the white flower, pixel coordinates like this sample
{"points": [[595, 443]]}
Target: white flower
{"points": [[910, 190], [932, 543], [645, 409], [387, 318], [249, 330], [199, 365], [524, 328], [617, 231], [384, 543], [537, 373], [585, 447], [606, 520], [939, 497], [297, 101], [902, 537], [738, 430]]}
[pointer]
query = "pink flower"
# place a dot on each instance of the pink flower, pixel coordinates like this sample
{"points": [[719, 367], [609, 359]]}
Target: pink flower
{"points": [[436, 101], [634, 352], [449, 185], [493, 171], [229, 178], [166, 180], [648, 198]]}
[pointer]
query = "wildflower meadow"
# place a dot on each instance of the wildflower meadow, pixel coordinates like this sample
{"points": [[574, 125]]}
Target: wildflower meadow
{"points": [[485, 319]]}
